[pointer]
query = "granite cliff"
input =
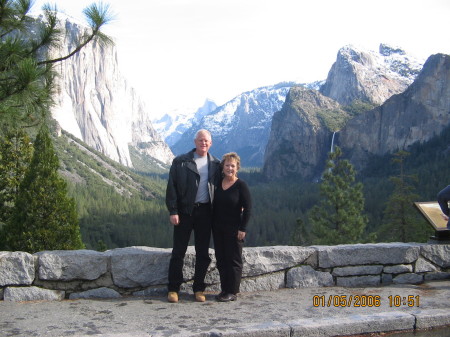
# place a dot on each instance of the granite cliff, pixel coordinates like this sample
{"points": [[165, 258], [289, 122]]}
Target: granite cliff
{"points": [[299, 139], [368, 75], [95, 103], [416, 115]]}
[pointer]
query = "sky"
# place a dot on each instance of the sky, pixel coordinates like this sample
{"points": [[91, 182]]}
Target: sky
{"points": [[177, 53]]}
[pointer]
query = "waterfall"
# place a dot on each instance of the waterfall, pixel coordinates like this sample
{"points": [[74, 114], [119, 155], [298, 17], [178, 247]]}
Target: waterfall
{"points": [[332, 141]]}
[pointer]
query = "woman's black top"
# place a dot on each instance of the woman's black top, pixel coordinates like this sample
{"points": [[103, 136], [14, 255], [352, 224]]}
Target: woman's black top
{"points": [[232, 207]]}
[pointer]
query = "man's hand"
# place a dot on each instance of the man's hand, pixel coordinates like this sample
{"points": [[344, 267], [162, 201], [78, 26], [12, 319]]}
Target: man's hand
{"points": [[445, 217], [241, 235], [175, 219]]}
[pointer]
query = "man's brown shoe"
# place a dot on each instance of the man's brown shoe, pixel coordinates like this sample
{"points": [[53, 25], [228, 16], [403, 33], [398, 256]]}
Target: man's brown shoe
{"points": [[200, 297], [172, 297]]}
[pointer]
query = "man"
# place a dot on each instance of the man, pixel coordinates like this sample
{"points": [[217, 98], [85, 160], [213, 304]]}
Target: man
{"points": [[190, 192], [443, 199]]}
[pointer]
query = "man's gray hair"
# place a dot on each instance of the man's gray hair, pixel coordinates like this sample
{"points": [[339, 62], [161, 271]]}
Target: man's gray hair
{"points": [[202, 131]]}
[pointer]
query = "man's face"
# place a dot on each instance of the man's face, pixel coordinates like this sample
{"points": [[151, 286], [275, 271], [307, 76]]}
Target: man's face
{"points": [[202, 143]]}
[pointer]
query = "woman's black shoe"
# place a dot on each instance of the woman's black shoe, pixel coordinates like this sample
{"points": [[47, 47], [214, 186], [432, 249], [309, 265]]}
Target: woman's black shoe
{"points": [[222, 293], [227, 298]]}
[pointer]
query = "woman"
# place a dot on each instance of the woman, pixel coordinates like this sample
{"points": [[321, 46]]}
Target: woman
{"points": [[232, 208]]}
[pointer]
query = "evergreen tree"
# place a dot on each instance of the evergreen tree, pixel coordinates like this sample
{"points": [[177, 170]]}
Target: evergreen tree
{"points": [[15, 155], [338, 218], [44, 218], [401, 221], [301, 236]]}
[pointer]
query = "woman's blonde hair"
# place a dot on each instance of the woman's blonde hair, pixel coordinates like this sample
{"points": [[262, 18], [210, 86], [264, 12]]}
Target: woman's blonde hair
{"points": [[231, 156]]}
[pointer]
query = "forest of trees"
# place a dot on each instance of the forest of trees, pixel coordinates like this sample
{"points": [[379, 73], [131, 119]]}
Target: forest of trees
{"points": [[109, 220]]}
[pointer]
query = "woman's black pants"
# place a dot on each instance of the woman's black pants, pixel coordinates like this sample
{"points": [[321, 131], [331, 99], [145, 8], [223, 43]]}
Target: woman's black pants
{"points": [[228, 251]]}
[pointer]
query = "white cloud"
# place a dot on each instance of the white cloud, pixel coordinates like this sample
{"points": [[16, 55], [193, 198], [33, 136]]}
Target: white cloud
{"points": [[178, 52]]}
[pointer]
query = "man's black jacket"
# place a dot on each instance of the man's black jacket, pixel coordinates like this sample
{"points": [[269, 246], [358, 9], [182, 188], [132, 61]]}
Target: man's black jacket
{"points": [[184, 180]]}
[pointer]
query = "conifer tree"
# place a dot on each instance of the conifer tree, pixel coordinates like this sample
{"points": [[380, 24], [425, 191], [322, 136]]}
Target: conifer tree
{"points": [[339, 216], [401, 222], [44, 217], [15, 155], [301, 235]]}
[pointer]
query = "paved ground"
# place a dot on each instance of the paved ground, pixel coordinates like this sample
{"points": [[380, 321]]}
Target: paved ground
{"points": [[285, 312]]}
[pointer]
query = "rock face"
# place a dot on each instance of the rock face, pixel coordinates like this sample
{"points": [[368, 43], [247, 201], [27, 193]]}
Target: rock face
{"points": [[299, 141], [369, 76], [416, 115], [96, 104]]}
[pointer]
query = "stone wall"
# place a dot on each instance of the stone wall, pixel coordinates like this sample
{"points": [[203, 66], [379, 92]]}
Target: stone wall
{"points": [[141, 271]]}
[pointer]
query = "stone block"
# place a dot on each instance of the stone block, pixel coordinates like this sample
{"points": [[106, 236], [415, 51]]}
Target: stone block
{"points": [[19, 294], [67, 265], [423, 266], [398, 269], [432, 318], [263, 283], [139, 266], [212, 276], [408, 278], [16, 268], [360, 254], [263, 260], [357, 270], [438, 254], [437, 276], [96, 293], [306, 276], [358, 281]]}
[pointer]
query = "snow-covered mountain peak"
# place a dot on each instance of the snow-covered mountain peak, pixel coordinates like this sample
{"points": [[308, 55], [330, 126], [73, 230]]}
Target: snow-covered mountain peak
{"points": [[373, 76], [393, 61], [173, 124], [247, 116]]}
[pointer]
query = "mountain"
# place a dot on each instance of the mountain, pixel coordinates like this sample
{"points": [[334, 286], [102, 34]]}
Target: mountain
{"points": [[415, 115], [299, 139], [368, 75], [85, 167], [172, 125], [96, 104], [241, 125]]}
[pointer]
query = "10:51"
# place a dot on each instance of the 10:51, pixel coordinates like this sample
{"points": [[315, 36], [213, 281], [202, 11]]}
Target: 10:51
{"points": [[398, 301]]}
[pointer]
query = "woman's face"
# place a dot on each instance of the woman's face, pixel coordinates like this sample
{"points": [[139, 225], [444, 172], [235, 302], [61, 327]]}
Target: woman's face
{"points": [[230, 168]]}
